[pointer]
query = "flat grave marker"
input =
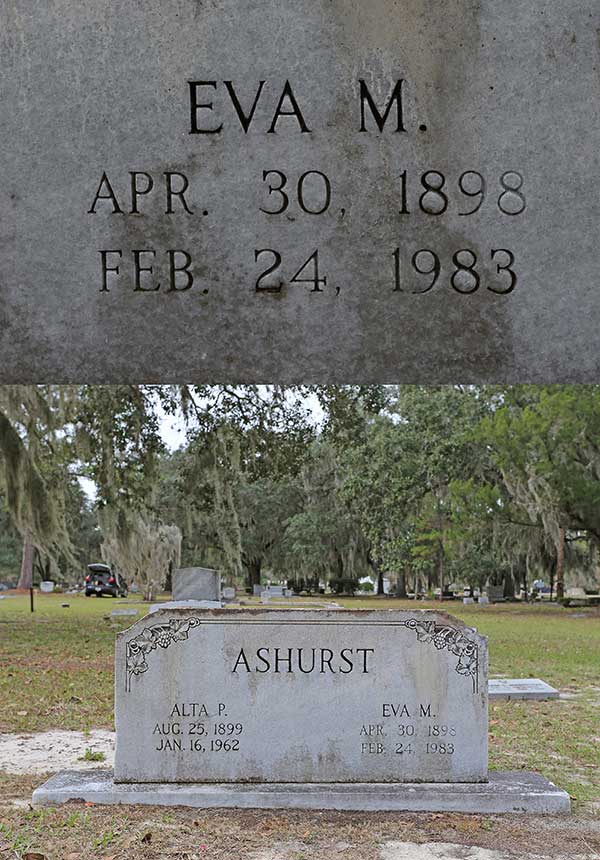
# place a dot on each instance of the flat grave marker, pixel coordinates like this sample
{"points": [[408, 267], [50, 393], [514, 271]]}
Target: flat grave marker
{"points": [[521, 688]]}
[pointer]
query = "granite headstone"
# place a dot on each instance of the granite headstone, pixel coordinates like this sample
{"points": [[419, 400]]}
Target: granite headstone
{"points": [[301, 696], [196, 583]]}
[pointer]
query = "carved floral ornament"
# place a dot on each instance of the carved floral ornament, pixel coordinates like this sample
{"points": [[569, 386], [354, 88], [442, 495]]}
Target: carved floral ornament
{"points": [[151, 638], [441, 636], [455, 640]]}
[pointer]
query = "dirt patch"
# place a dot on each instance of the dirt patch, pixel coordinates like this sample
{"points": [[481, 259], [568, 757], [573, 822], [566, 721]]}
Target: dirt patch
{"points": [[48, 752]]}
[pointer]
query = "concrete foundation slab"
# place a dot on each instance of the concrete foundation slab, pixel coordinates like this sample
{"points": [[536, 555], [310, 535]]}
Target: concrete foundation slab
{"points": [[512, 792]]}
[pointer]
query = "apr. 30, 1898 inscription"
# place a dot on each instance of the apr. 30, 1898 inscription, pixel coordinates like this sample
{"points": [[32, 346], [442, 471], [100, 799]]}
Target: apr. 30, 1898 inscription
{"points": [[309, 191]]}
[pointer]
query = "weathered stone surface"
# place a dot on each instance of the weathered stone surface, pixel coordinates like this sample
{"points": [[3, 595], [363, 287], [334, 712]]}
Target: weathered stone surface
{"points": [[301, 696], [196, 583], [521, 688], [517, 792], [489, 100]]}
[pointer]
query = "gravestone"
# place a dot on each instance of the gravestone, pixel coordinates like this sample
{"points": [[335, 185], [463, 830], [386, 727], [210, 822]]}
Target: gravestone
{"points": [[257, 590], [228, 594], [521, 688], [196, 583], [392, 697], [275, 590], [303, 708], [252, 190], [495, 594]]}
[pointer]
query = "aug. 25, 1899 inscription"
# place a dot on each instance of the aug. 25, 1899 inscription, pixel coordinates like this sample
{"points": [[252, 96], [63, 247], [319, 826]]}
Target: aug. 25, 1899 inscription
{"points": [[299, 191]]}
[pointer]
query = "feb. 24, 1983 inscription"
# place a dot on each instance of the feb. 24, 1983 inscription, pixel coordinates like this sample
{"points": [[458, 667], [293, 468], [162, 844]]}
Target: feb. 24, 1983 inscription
{"points": [[236, 191]]}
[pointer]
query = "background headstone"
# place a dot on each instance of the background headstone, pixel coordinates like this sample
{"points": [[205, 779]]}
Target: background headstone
{"points": [[196, 583]]}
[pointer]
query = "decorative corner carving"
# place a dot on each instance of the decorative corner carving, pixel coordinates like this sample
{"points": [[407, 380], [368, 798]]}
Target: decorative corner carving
{"points": [[456, 640], [153, 637]]}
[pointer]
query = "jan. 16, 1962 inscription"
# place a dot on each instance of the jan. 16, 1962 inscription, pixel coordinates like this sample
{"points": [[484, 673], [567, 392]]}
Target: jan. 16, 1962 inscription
{"points": [[266, 191]]}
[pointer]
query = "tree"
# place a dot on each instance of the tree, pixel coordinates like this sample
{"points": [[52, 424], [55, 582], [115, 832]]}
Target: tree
{"points": [[143, 550], [399, 477], [545, 442], [325, 540], [10, 547], [240, 473], [34, 469]]}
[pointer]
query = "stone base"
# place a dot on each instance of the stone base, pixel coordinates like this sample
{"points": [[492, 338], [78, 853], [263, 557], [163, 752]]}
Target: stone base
{"points": [[505, 792]]}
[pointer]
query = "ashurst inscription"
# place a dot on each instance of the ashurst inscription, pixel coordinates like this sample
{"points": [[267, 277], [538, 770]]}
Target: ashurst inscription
{"points": [[276, 191], [301, 696]]}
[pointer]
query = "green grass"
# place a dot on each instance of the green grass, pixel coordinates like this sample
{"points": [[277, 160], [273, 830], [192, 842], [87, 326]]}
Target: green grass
{"points": [[56, 665], [56, 671], [90, 755]]}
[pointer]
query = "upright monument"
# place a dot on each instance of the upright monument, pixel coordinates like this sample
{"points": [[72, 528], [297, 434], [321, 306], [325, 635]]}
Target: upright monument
{"points": [[320, 709]]}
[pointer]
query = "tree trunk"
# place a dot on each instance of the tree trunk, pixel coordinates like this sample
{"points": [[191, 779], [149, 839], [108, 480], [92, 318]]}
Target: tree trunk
{"points": [[441, 569], [26, 578], [509, 586], [401, 585], [560, 565], [379, 574], [254, 572]]}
